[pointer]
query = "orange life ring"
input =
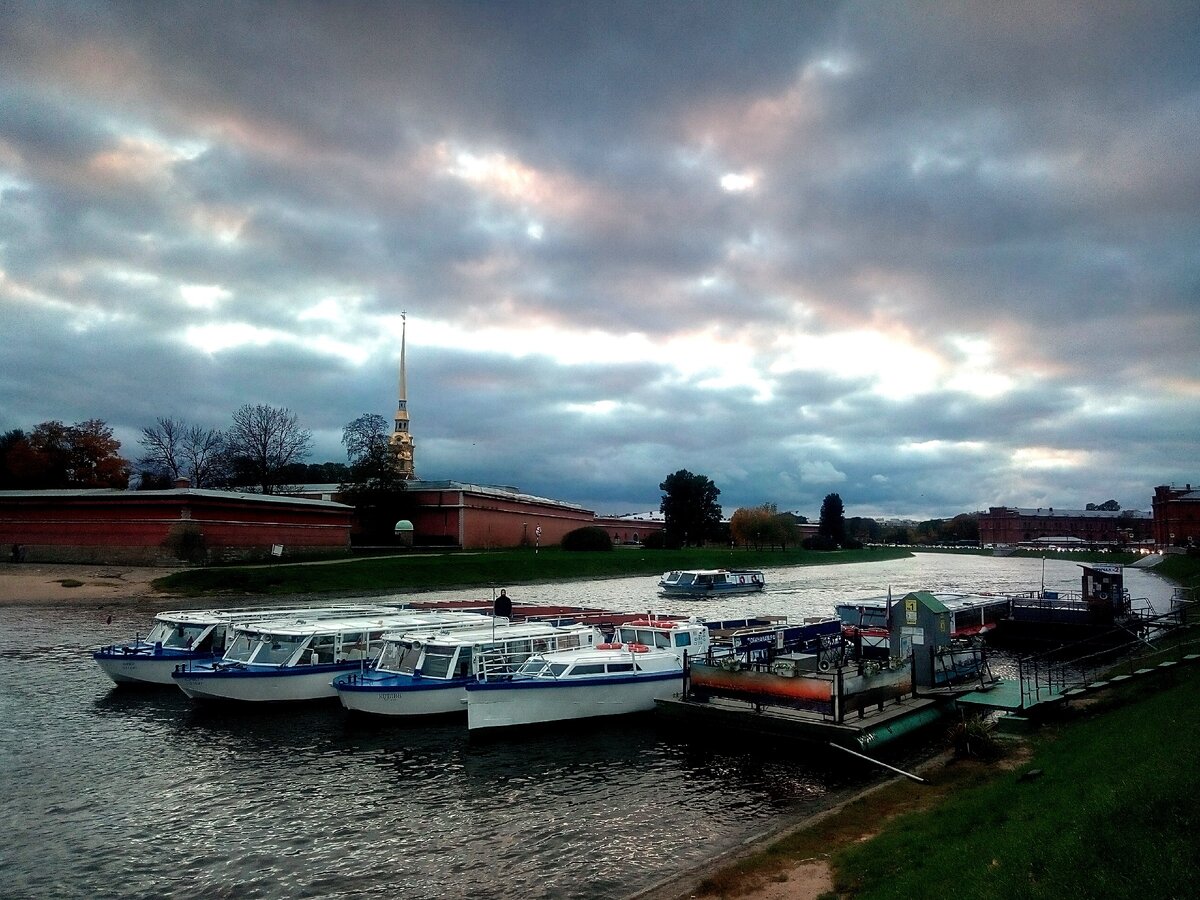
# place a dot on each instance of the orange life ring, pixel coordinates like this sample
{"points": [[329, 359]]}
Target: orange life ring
{"points": [[608, 646], [638, 648]]}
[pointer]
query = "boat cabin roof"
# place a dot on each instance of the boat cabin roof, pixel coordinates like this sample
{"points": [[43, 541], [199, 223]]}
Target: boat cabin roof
{"points": [[502, 631], [251, 614], [391, 622], [952, 601]]}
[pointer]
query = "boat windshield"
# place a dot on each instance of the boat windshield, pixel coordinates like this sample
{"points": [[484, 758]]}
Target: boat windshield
{"points": [[407, 656], [159, 632], [182, 637], [242, 647], [390, 656], [277, 649]]}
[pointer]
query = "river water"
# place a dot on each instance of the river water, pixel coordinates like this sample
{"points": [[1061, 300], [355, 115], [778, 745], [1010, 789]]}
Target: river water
{"points": [[117, 793]]}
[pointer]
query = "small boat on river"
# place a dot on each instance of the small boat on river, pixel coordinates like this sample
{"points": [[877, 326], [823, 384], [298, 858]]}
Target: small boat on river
{"points": [[606, 680], [421, 675], [197, 636], [298, 659], [711, 582]]}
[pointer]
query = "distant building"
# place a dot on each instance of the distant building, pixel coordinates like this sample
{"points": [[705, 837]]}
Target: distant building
{"points": [[1046, 525], [1176, 516], [167, 527]]}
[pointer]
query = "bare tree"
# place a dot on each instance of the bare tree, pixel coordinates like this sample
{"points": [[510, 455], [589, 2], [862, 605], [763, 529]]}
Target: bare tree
{"points": [[205, 454], [263, 440], [179, 450], [161, 444]]}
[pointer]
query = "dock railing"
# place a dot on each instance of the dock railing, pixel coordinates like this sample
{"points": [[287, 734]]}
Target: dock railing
{"points": [[1142, 641]]}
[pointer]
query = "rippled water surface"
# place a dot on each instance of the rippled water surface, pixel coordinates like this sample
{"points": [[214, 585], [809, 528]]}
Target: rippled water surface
{"points": [[117, 793]]}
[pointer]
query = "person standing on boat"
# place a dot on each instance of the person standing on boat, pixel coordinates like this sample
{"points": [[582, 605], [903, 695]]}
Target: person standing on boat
{"points": [[503, 605]]}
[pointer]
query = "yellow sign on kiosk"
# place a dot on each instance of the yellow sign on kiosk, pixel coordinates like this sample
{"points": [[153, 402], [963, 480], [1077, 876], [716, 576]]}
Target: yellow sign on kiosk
{"points": [[910, 611]]}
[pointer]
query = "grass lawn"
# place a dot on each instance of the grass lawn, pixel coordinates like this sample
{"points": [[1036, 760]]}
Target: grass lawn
{"points": [[421, 571], [1114, 814]]}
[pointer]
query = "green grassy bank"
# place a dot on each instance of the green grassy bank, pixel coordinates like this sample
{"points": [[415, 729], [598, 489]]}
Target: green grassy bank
{"points": [[419, 571], [1113, 815]]}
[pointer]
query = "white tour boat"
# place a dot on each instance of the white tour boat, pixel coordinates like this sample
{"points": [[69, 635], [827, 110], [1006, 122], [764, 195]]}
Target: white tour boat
{"points": [[196, 636], [711, 582], [422, 675], [298, 659], [606, 680]]}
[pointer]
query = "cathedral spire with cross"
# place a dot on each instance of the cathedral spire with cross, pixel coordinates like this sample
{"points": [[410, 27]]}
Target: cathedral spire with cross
{"points": [[402, 441]]}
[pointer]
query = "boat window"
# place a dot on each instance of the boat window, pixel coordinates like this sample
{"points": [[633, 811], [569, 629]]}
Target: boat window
{"points": [[620, 667], [242, 648], [277, 649], [541, 645], [661, 639], [220, 635], [159, 632], [354, 645], [183, 637], [204, 643], [410, 655], [683, 639], [323, 647], [463, 667], [532, 667], [557, 669], [437, 660], [519, 648], [588, 669], [567, 641], [389, 659]]}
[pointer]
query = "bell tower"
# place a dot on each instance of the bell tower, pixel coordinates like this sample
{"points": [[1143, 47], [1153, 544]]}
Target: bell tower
{"points": [[402, 442]]}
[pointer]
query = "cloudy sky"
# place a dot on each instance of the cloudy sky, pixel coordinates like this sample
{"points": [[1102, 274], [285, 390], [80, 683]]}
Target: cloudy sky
{"points": [[933, 257]]}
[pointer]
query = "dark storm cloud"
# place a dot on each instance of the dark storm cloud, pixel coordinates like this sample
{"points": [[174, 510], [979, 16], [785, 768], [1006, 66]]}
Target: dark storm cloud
{"points": [[931, 257]]}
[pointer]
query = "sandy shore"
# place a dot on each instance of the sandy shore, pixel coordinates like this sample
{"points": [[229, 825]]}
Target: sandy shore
{"points": [[60, 583]]}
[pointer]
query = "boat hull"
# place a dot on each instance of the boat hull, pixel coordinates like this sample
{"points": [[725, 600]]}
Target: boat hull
{"points": [[266, 685], [508, 704], [432, 698], [721, 591], [144, 668]]}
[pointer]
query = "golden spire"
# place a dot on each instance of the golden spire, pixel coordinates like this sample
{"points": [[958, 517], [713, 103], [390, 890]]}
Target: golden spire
{"points": [[402, 440]]}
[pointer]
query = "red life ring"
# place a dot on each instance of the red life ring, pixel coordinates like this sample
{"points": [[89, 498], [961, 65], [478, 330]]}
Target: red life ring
{"points": [[638, 648], [608, 646]]}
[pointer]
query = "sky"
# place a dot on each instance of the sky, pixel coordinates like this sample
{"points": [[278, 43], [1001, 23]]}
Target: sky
{"points": [[932, 257]]}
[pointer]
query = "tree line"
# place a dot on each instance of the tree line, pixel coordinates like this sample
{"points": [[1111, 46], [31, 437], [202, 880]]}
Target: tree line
{"points": [[260, 449], [692, 516]]}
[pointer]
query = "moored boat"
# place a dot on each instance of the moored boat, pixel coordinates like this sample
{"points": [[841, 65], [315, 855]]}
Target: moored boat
{"points": [[711, 582], [197, 636], [422, 675], [298, 659], [606, 680]]}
